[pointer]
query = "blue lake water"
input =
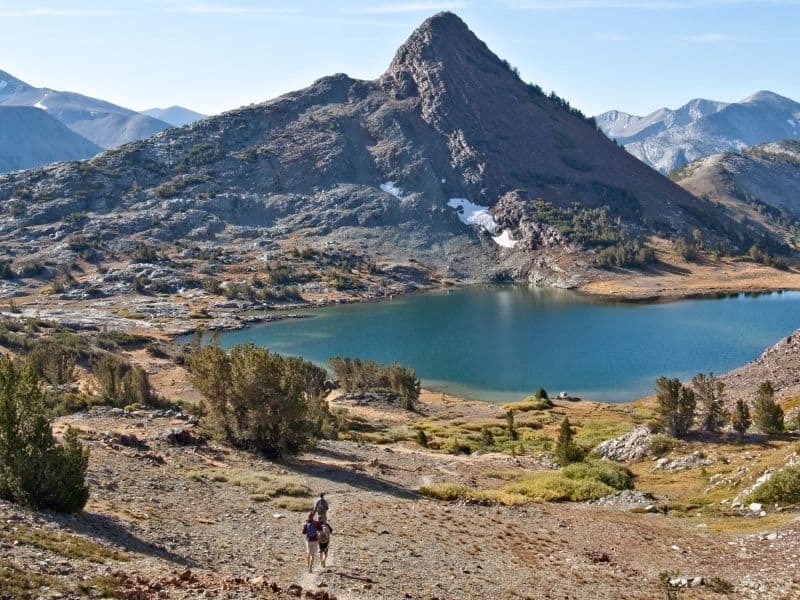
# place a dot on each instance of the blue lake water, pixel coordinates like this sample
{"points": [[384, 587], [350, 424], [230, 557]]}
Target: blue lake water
{"points": [[500, 343]]}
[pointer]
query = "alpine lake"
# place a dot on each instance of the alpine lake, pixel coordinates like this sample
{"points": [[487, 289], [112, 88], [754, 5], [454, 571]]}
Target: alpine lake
{"points": [[500, 343]]}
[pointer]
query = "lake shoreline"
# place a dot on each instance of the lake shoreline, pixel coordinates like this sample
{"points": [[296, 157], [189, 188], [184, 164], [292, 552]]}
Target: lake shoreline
{"points": [[485, 341]]}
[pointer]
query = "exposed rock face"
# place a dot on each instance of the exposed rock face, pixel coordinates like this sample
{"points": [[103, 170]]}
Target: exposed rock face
{"points": [[367, 165], [668, 139], [779, 364], [634, 445]]}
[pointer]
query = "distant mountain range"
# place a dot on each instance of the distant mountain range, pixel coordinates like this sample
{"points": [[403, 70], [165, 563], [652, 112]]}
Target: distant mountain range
{"points": [[177, 116], [668, 139], [87, 125], [30, 137], [762, 182], [102, 123]]}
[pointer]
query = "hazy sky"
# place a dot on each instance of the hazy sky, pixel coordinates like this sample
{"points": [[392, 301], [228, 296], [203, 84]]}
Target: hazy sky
{"points": [[633, 55]]}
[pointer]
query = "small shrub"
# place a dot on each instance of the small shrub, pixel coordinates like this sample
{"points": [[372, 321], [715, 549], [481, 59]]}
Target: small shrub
{"points": [[740, 418], [354, 374], [422, 438], [661, 445], [567, 451], [529, 403], [720, 585], [487, 437], [454, 445], [782, 488], [612, 474], [445, 491]]}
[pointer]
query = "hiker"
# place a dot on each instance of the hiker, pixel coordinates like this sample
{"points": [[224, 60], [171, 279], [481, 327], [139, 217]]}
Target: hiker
{"points": [[321, 507], [311, 531], [324, 539]]}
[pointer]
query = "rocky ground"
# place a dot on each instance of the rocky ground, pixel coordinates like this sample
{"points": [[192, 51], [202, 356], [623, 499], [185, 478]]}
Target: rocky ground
{"points": [[173, 517]]}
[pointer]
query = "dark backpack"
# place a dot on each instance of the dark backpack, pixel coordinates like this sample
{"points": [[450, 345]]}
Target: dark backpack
{"points": [[311, 530], [321, 506]]}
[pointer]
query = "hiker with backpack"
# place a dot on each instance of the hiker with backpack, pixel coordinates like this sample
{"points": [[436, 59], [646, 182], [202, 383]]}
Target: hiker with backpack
{"points": [[311, 533], [321, 507], [324, 539]]}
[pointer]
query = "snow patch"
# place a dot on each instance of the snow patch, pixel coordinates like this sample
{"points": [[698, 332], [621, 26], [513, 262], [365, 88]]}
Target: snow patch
{"points": [[504, 240], [40, 103], [473, 214], [443, 179], [390, 188], [3, 84]]}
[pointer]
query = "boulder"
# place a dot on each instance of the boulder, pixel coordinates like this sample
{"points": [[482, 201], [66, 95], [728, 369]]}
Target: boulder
{"points": [[634, 445]]}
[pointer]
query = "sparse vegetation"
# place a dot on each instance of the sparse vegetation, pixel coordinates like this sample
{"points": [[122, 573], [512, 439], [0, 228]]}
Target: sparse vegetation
{"points": [[354, 374]]}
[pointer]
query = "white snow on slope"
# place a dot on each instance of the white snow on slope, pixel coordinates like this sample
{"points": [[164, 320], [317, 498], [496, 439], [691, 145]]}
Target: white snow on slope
{"points": [[473, 214], [504, 240], [3, 83], [390, 188], [40, 103]]}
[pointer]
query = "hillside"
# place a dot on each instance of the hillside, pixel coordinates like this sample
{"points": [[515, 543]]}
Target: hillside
{"points": [[29, 137], [102, 123], [177, 116], [762, 182], [440, 161], [173, 513], [668, 139]]}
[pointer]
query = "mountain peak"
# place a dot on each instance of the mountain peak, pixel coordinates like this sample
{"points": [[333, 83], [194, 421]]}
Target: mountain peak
{"points": [[441, 53], [765, 96]]}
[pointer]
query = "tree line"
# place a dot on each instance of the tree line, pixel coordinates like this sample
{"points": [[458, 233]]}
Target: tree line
{"points": [[677, 407]]}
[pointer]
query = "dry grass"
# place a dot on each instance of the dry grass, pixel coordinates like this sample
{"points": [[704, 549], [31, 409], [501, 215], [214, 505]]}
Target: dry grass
{"points": [[64, 544], [285, 491]]}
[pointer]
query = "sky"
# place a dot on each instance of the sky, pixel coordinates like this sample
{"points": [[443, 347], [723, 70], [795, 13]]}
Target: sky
{"points": [[211, 56]]}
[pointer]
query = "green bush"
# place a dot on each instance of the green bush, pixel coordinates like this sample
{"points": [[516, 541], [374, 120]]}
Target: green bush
{"points": [[577, 482], [782, 488], [567, 451], [354, 374], [35, 471], [612, 474], [261, 401], [53, 361], [661, 444], [122, 384]]}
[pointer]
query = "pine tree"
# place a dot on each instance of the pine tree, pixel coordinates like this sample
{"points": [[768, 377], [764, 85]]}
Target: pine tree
{"points": [[34, 470], [675, 405], [740, 419], [710, 390], [767, 414], [510, 426], [567, 451]]}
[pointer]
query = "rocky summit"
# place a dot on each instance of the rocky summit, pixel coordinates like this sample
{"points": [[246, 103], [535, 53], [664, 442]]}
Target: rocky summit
{"points": [[448, 159]]}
